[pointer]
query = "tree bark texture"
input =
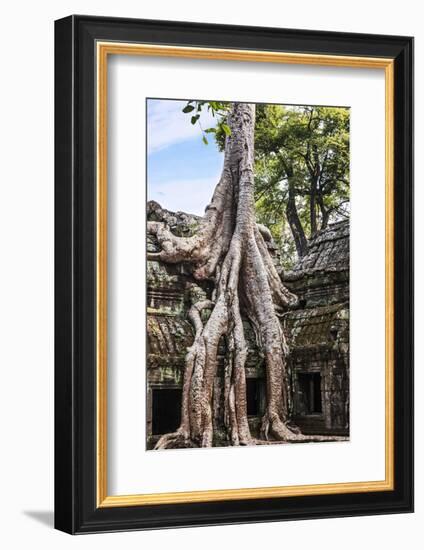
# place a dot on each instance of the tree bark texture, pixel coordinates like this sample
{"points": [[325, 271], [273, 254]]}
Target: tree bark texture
{"points": [[296, 228], [229, 249]]}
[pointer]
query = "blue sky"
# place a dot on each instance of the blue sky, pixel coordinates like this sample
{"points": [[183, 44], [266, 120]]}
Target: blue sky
{"points": [[182, 171]]}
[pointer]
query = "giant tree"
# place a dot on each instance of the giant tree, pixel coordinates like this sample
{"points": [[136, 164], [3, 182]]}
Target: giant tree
{"points": [[230, 250], [302, 167]]}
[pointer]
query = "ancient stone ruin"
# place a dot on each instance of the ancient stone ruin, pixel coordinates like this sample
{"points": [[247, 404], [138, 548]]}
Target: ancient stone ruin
{"points": [[317, 332]]}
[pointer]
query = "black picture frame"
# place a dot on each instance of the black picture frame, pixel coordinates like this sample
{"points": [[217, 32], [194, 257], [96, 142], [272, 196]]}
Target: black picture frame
{"points": [[76, 508]]}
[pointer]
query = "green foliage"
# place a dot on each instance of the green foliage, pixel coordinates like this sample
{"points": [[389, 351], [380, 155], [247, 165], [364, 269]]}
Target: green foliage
{"points": [[219, 110], [302, 156], [226, 129], [188, 109]]}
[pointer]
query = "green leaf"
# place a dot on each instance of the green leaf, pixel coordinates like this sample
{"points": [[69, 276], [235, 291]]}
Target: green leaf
{"points": [[210, 130], [194, 119], [188, 109], [226, 129], [205, 141]]}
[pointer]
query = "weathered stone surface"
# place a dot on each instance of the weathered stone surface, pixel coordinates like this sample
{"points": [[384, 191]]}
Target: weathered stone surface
{"points": [[327, 252], [317, 331]]}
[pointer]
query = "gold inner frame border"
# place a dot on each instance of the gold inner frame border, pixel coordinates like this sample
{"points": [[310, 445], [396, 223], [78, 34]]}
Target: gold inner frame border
{"points": [[103, 50]]}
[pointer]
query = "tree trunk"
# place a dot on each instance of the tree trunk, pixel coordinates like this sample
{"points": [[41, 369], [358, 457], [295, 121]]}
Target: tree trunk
{"points": [[313, 207], [325, 213], [230, 250], [296, 228]]}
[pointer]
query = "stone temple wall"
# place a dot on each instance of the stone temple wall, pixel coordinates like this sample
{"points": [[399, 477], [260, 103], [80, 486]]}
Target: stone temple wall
{"points": [[317, 333]]}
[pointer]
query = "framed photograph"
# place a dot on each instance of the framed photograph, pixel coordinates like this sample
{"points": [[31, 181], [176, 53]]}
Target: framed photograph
{"points": [[234, 274]]}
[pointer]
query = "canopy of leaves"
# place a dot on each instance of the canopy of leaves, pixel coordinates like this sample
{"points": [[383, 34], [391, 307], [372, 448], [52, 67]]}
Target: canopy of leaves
{"points": [[302, 156]]}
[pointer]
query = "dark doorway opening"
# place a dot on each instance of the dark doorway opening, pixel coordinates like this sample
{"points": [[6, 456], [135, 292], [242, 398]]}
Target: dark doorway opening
{"points": [[252, 396], [310, 388], [166, 410]]}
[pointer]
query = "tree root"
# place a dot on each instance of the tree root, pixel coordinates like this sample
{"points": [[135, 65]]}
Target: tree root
{"points": [[176, 440], [230, 249], [281, 431]]}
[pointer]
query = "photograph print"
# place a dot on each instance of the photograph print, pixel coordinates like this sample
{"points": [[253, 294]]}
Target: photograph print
{"points": [[247, 274]]}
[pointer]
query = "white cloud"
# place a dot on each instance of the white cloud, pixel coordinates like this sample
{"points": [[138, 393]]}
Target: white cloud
{"points": [[167, 124], [191, 196]]}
